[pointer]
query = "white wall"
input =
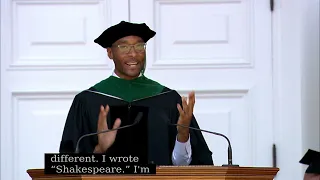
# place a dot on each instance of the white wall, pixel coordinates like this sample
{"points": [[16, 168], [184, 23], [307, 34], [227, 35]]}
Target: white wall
{"points": [[296, 86], [310, 75]]}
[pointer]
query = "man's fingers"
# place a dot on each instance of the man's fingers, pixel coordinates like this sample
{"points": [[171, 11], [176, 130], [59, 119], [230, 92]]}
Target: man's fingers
{"points": [[192, 101], [192, 97], [117, 123], [184, 104], [102, 121], [180, 110], [107, 109]]}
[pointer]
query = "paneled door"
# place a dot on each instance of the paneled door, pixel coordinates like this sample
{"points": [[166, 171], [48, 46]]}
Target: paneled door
{"points": [[47, 56], [222, 50], [219, 48]]}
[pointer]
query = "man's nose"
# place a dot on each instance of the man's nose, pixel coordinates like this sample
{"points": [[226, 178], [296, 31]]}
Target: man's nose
{"points": [[132, 51]]}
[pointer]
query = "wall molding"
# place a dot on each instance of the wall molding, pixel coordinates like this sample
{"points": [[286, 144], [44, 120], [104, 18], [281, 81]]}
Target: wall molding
{"points": [[287, 87], [17, 97], [159, 63], [31, 63]]}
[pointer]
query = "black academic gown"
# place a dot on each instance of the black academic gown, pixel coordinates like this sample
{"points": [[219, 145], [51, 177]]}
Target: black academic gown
{"points": [[153, 138]]}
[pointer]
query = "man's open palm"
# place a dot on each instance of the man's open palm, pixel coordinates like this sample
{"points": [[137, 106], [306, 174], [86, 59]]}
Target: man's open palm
{"points": [[186, 114], [105, 140]]}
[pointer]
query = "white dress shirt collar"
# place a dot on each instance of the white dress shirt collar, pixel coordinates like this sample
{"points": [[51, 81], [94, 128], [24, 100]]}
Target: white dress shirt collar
{"points": [[114, 74]]}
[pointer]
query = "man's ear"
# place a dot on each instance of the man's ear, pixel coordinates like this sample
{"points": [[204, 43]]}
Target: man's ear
{"points": [[110, 54]]}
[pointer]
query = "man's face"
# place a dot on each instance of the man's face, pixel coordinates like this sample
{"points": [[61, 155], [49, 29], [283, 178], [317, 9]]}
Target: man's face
{"points": [[128, 54]]}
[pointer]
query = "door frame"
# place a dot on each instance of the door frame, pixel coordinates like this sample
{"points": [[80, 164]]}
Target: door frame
{"points": [[287, 19]]}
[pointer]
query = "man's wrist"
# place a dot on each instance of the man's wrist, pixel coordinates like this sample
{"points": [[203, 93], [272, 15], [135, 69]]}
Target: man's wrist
{"points": [[97, 149], [183, 136]]}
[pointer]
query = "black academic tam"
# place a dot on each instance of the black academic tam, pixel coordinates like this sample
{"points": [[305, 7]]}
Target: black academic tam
{"points": [[153, 139], [312, 159]]}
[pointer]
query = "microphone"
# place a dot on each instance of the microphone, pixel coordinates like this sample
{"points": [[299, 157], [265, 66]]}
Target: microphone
{"points": [[215, 133], [136, 121]]}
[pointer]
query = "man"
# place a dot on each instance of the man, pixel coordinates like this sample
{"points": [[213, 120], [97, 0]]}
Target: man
{"points": [[312, 159], [117, 100]]}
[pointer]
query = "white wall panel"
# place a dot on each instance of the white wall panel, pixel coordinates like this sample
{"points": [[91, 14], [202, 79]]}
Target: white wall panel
{"points": [[59, 34], [37, 125], [228, 112], [203, 33]]}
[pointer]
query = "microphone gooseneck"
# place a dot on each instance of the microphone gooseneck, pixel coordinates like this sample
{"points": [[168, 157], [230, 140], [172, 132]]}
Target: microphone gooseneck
{"points": [[219, 134], [136, 121]]}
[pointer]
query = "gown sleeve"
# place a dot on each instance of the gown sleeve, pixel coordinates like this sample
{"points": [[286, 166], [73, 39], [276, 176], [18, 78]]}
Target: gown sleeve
{"points": [[201, 154], [73, 126]]}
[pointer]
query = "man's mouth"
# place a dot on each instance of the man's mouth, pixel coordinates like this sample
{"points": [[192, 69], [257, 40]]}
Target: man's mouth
{"points": [[132, 64]]}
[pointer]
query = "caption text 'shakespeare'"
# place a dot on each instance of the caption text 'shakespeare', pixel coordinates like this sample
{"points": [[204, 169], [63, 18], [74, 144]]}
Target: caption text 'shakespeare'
{"points": [[95, 164]]}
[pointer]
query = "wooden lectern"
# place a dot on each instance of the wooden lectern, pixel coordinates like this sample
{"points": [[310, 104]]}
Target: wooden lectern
{"points": [[174, 172]]}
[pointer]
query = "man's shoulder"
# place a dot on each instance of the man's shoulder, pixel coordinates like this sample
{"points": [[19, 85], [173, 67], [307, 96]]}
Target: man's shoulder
{"points": [[172, 91], [170, 94], [165, 88], [81, 95], [85, 93]]}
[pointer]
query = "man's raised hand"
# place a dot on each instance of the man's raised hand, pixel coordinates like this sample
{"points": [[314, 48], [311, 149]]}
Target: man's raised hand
{"points": [[186, 114], [105, 140]]}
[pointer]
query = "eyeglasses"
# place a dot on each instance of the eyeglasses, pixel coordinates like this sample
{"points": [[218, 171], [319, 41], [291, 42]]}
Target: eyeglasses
{"points": [[140, 48]]}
